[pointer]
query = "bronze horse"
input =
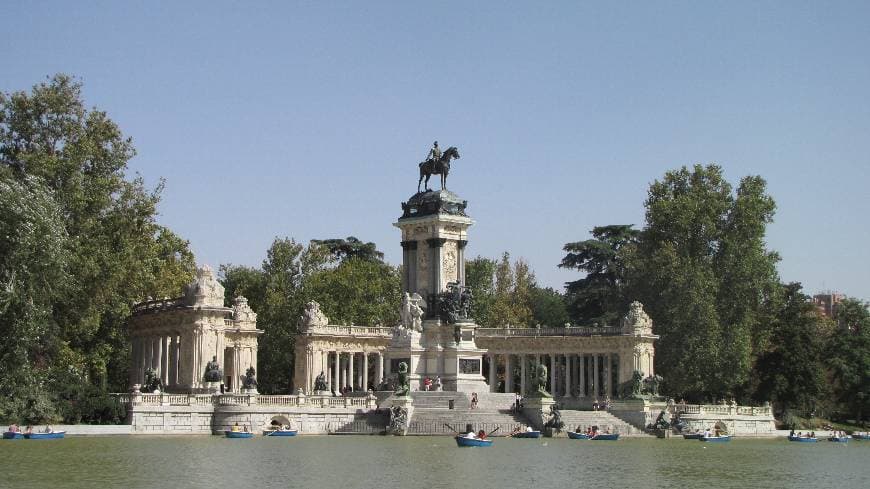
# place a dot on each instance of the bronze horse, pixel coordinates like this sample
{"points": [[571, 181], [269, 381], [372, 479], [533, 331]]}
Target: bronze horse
{"points": [[437, 167]]}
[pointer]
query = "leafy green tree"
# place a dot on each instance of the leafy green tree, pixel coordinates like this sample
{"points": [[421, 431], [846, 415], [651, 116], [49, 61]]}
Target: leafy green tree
{"points": [[117, 253], [512, 304], [548, 307], [703, 273], [600, 296], [480, 276], [849, 358], [350, 247], [357, 291], [791, 373]]}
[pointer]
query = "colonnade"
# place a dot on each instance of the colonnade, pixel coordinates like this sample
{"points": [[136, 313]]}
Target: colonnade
{"points": [[594, 375], [158, 352], [345, 370]]}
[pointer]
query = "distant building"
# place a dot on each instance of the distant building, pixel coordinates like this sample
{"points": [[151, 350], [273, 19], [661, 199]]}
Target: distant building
{"points": [[827, 303]]}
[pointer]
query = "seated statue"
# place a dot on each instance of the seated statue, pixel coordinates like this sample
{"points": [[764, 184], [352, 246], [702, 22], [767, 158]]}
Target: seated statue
{"points": [[320, 382], [250, 380], [213, 372], [404, 384]]}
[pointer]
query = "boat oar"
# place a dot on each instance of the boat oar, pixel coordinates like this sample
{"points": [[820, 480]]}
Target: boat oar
{"points": [[451, 428], [493, 431]]}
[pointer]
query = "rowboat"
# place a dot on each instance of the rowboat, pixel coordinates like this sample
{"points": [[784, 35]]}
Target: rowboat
{"points": [[802, 439], [606, 436], [279, 432], [860, 437], [13, 435], [577, 436], [44, 436], [715, 439], [238, 434], [527, 434], [692, 436], [471, 442], [838, 439]]}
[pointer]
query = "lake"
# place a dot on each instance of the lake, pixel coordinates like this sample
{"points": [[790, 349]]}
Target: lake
{"points": [[426, 462]]}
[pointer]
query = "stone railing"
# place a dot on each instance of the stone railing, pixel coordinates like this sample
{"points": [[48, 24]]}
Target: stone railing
{"points": [[225, 400], [355, 331], [537, 332], [721, 410], [157, 305]]}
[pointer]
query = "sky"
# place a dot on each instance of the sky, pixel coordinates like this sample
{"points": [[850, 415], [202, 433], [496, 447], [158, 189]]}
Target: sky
{"points": [[307, 119]]}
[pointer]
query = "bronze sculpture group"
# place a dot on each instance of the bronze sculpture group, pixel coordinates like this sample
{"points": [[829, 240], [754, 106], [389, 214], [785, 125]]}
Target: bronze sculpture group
{"points": [[437, 163]]}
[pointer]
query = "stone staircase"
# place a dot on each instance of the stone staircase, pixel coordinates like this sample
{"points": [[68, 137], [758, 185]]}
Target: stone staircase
{"points": [[432, 415], [602, 419]]}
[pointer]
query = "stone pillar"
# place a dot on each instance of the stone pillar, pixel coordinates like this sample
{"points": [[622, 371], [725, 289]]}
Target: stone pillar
{"points": [[582, 359], [508, 375], [493, 379], [379, 376], [460, 260], [523, 374], [155, 354], [365, 372], [608, 388], [409, 271], [596, 386], [567, 375], [336, 374], [173, 360], [350, 376], [435, 248], [553, 383], [164, 360]]}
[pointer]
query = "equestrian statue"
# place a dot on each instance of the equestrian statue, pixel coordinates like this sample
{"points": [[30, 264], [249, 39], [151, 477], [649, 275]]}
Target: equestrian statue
{"points": [[437, 164]]}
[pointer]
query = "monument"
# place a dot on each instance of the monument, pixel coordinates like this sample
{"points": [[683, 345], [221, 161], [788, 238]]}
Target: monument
{"points": [[437, 337]]}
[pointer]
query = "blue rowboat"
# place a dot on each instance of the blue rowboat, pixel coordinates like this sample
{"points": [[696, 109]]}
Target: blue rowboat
{"points": [[44, 436], [577, 436], [802, 439], [716, 439], [13, 435], [472, 442], [527, 434], [238, 434], [838, 439], [860, 437], [606, 436], [692, 436], [279, 432]]}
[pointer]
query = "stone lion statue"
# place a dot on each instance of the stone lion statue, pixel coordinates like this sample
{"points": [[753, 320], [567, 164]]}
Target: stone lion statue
{"points": [[213, 372], [312, 316]]}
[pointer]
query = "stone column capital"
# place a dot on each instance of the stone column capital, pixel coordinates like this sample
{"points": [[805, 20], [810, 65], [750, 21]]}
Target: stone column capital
{"points": [[436, 242], [409, 245], [461, 243]]}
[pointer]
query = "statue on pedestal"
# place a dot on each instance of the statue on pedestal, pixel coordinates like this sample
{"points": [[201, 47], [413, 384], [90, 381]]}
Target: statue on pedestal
{"points": [[250, 379], [403, 386], [213, 372], [539, 381], [152, 381], [437, 163], [454, 304], [412, 312], [320, 382]]}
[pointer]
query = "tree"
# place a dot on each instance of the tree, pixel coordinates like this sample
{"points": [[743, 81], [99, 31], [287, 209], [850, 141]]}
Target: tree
{"points": [[116, 252], [548, 307], [480, 276], [849, 357], [357, 291], [350, 247], [791, 373], [600, 296], [703, 273]]}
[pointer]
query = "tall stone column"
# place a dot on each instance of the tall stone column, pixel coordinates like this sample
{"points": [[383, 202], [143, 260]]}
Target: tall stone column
{"points": [[460, 260], [336, 374], [492, 373], [583, 375], [173, 360], [596, 386], [365, 372], [155, 353], [508, 374], [380, 372], [164, 360], [523, 374], [350, 376], [409, 271], [553, 385], [435, 249], [567, 375], [608, 389]]}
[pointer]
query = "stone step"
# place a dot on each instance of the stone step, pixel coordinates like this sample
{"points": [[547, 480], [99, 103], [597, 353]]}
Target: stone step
{"points": [[435, 421], [602, 419]]}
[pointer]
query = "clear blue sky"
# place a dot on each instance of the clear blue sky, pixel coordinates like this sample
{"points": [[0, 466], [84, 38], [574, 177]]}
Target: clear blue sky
{"points": [[308, 119]]}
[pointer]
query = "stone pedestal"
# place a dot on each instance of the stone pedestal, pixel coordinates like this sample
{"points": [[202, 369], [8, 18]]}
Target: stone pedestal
{"points": [[537, 410], [401, 410]]}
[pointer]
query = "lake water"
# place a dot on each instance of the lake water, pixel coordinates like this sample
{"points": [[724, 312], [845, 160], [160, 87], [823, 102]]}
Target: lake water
{"points": [[426, 462]]}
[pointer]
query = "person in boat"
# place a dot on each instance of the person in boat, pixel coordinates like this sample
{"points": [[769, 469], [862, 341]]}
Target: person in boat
{"points": [[706, 432], [47, 429], [235, 427], [29, 429], [481, 435], [13, 428], [470, 435], [812, 434], [529, 429], [791, 434]]}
